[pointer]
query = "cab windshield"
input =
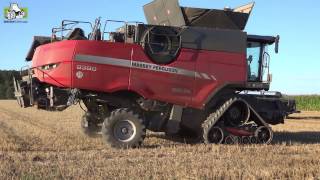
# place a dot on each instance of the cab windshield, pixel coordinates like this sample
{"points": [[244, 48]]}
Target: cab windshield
{"points": [[254, 59]]}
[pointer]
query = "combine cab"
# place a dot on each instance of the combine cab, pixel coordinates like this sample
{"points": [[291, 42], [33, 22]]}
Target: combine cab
{"points": [[188, 72]]}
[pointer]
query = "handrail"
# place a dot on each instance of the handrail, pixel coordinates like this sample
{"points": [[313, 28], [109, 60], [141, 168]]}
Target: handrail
{"points": [[266, 66], [65, 24], [126, 23], [96, 26], [72, 22], [68, 25]]}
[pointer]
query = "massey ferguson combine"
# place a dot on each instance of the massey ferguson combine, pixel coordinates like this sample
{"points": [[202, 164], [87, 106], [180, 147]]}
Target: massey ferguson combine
{"points": [[188, 72]]}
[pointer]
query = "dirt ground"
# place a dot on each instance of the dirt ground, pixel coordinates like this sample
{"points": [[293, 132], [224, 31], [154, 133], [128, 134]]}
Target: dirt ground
{"points": [[49, 145]]}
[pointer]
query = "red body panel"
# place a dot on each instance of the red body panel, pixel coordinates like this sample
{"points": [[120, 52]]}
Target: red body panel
{"points": [[226, 68], [164, 86], [212, 70], [106, 78], [60, 53], [239, 132]]}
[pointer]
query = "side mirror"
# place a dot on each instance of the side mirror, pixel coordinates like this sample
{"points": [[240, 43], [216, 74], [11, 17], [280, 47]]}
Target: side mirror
{"points": [[276, 48]]}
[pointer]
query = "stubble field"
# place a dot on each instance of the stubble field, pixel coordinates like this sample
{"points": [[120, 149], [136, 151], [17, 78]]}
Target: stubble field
{"points": [[49, 145]]}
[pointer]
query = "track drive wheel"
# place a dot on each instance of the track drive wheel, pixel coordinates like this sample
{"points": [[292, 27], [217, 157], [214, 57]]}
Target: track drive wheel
{"points": [[264, 135], [216, 135], [90, 125], [124, 128]]}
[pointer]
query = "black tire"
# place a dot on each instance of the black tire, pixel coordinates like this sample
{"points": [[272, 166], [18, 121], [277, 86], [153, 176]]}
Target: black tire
{"points": [[124, 128], [90, 125]]}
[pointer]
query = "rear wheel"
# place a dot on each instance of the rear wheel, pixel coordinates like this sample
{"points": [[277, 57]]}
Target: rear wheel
{"points": [[124, 128]]}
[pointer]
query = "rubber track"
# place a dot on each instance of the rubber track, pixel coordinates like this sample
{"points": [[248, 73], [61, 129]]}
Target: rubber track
{"points": [[215, 117]]}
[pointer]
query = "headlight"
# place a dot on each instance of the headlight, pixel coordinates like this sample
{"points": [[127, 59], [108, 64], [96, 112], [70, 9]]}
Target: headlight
{"points": [[49, 66]]}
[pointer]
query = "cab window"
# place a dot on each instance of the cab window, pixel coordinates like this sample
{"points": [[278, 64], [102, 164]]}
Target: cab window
{"points": [[254, 61]]}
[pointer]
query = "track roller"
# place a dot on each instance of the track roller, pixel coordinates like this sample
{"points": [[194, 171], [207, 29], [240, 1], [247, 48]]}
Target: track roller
{"points": [[264, 135], [253, 140], [232, 140], [246, 140], [216, 135]]}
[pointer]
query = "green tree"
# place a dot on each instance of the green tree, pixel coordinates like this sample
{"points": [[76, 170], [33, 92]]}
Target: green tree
{"points": [[2, 91], [10, 92], [6, 84]]}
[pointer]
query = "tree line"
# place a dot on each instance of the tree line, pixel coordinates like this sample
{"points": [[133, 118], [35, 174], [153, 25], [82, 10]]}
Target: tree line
{"points": [[6, 84]]}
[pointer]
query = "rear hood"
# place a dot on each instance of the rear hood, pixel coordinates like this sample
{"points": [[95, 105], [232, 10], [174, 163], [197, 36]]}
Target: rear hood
{"points": [[37, 41], [54, 53]]}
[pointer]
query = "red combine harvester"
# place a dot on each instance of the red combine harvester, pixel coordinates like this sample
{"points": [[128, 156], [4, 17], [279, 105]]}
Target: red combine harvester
{"points": [[188, 72]]}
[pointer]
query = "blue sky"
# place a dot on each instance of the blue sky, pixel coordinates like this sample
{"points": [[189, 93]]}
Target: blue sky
{"points": [[295, 69]]}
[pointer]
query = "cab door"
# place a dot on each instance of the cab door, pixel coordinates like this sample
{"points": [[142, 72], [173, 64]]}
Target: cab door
{"points": [[254, 60]]}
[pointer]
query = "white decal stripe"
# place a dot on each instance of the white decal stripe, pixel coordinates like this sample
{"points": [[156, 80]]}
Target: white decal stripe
{"points": [[198, 75], [205, 76], [139, 65], [186, 72], [214, 78], [103, 60]]}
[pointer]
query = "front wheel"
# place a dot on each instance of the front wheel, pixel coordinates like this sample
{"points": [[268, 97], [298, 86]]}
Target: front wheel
{"points": [[124, 128]]}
